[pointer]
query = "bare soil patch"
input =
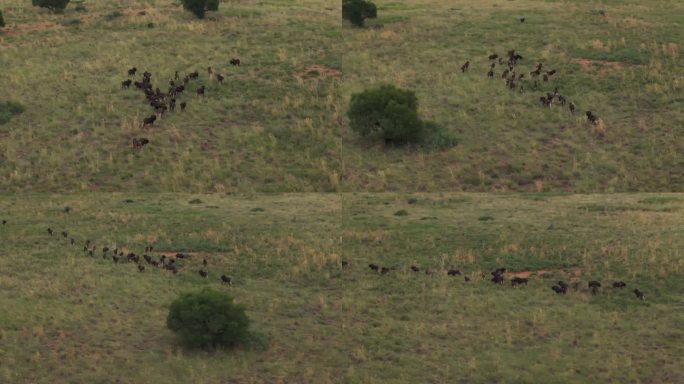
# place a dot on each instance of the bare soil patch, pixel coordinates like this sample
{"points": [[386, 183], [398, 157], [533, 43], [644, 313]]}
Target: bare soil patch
{"points": [[602, 66], [317, 71], [28, 28], [573, 273]]}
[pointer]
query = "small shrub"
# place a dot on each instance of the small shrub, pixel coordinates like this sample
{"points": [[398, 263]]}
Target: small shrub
{"points": [[208, 318], [357, 11], [485, 218], [195, 201], [2, 20], [401, 212], [200, 7], [53, 5], [386, 109], [8, 110], [412, 200], [257, 209]]}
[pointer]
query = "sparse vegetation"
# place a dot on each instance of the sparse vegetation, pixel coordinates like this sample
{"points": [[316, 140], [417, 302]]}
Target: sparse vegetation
{"points": [[208, 318], [113, 15], [2, 20], [71, 22]]}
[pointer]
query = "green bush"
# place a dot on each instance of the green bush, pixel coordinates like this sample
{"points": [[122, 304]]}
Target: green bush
{"points": [[200, 7], [391, 111], [393, 114], [212, 5], [9, 109], [357, 11], [208, 318], [2, 21], [53, 5]]}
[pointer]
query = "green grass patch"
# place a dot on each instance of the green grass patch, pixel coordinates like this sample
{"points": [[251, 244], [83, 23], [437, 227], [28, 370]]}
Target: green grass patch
{"points": [[624, 67], [300, 269]]}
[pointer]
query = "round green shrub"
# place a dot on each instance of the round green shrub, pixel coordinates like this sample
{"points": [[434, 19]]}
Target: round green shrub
{"points": [[208, 318], [53, 5], [200, 7], [387, 110], [357, 11], [2, 21]]}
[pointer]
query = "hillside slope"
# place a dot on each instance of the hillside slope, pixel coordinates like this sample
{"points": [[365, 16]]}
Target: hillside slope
{"points": [[271, 125], [624, 66]]}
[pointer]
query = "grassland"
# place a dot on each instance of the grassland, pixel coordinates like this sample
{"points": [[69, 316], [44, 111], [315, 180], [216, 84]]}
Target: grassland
{"points": [[271, 127], [624, 66], [66, 317], [239, 179]]}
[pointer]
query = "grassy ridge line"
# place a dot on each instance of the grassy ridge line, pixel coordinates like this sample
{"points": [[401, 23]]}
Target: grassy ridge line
{"points": [[66, 317]]}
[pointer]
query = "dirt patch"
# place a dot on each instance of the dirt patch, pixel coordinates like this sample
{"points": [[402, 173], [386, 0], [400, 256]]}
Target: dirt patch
{"points": [[28, 28], [317, 72], [388, 35], [573, 273], [601, 66]]}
